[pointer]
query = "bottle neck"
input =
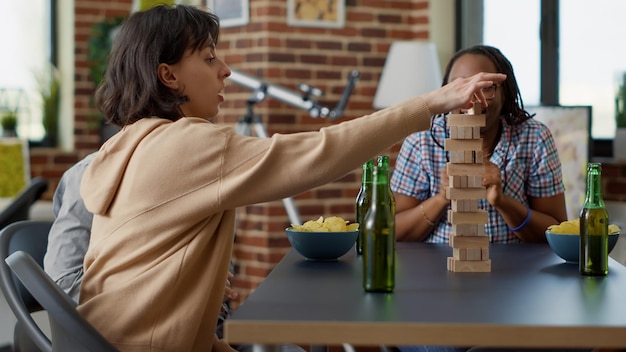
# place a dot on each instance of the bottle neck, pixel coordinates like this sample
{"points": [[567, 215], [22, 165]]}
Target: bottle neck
{"points": [[380, 175], [594, 186], [367, 177]]}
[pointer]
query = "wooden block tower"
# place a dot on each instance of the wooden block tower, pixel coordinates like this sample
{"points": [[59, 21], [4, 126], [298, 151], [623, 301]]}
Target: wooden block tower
{"points": [[470, 245]]}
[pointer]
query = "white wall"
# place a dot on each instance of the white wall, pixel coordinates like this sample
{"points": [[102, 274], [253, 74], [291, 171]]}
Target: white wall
{"points": [[442, 27]]}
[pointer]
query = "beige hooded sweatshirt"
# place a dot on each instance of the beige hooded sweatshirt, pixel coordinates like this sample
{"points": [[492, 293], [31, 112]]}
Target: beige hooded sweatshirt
{"points": [[164, 196]]}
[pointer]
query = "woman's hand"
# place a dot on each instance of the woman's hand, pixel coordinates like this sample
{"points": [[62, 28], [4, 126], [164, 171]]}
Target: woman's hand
{"points": [[492, 180], [229, 293], [461, 92]]}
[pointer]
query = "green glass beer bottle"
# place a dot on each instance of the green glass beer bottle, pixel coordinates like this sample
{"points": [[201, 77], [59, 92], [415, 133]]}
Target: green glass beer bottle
{"points": [[363, 202], [594, 226], [379, 238], [383, 161]]}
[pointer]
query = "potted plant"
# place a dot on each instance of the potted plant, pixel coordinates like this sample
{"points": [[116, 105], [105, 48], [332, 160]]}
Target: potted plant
{"points": [[619, 143], [9, 124], [49, 88]]}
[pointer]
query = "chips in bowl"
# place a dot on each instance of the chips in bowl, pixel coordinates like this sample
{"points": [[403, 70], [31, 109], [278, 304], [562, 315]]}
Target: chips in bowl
{"points": [[330, 224], [323, 239], [564, 239], [572, 227]]}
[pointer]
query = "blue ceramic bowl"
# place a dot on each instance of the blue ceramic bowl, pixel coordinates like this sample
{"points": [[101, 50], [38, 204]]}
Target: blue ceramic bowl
{"points": [[321, 245], [568, 246]]}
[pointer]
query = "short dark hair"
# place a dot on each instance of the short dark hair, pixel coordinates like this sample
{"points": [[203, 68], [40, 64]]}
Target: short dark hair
{"points": [[131, 90], [513, 107]]}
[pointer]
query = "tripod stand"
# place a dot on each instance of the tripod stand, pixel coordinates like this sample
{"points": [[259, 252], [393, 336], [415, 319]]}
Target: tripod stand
{"points": [[303, 101], [244, 127]]}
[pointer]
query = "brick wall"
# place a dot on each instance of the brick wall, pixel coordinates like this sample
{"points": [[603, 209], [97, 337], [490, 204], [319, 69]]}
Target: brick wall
{"points": [[274, 52]]}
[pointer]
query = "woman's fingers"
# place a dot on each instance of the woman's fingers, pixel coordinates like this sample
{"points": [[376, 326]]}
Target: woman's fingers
{"points": [[460, 92]]}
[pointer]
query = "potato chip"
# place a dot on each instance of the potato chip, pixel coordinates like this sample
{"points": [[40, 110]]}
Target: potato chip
{"points": [[572, 227], [335, 224], [330, 224], [352, 227]]}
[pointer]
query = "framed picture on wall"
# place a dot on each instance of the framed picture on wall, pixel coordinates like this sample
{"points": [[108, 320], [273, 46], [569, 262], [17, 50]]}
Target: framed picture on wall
{"points": [[316, 13], [232, 13]]}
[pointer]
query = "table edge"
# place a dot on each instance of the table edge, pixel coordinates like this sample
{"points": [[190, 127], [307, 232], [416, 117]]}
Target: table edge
{"points": [[395, 333]]}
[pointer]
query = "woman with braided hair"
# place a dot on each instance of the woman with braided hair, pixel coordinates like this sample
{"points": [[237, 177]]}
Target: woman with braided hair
{"points": [[525, 190]]}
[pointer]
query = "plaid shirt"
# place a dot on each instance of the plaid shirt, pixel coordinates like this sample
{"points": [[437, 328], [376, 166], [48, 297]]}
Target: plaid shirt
{"points": [[526, 155]]}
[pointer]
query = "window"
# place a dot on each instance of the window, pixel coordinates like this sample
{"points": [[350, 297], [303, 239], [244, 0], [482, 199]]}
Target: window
{"points": [[592, 56], [586, 53], [26, 49], [521, 46]]}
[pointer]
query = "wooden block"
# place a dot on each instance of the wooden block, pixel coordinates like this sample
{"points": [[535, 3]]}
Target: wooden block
{"points": [[466, 120], [464, 182], [476, 132], [460, 132], [469, 156], [476, 109], [469, 241], [464, 132], [463, 144], [457, 157], [457, 181], [473, 181], [478, 156], [475, 169], [474, 253], [454, 132], [479, 217], [467, 253], [467, 205], [469, 266], [468, 229], [484, 253], [456, 205], [468, 132], [459, 253], [466, 193]]}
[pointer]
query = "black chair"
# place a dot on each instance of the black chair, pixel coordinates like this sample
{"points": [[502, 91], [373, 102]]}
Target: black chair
{"points": [[19, 208], [69, 330], [32, 237]]}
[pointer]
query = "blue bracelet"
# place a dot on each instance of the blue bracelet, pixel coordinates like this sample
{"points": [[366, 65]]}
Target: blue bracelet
{"points": [[524, 223]]}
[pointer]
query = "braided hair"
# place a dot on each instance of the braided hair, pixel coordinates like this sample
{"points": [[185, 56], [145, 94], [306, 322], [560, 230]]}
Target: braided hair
{"points": [[513, 106]]}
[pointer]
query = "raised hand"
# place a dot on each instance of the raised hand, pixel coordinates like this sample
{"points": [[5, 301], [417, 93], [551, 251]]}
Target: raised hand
{"points": [[461, 92], [492, 180]]}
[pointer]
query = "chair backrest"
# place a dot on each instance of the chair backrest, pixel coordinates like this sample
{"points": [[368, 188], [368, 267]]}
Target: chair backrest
{"points": [[19, 208], [70, 331], [32, 237]]}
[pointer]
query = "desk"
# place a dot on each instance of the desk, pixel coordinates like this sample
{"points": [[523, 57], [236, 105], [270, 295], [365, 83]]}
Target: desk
{"points": [[530, 299]]}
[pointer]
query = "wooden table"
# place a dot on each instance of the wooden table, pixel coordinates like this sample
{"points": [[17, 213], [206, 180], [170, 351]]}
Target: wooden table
{"points": [[531, 298]]}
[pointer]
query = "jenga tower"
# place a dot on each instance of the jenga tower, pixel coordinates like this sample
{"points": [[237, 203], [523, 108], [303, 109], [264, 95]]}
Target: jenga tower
{"points": [[469, 243]]}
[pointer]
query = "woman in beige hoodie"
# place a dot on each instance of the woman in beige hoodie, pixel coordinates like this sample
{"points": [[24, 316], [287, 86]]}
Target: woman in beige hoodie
{"points": [[164, 189]]}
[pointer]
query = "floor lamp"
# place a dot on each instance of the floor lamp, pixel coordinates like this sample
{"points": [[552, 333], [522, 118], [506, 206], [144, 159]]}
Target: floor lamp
{"points": [[411, 68]]}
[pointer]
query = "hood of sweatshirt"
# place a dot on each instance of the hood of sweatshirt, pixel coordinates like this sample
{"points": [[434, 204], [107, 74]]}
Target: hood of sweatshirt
{"points": [[102, 178]]}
